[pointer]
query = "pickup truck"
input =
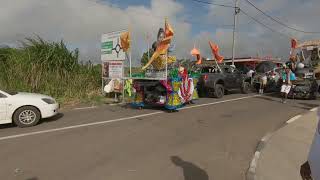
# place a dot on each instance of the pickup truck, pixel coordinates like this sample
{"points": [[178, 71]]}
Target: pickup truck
{"points": [[215, 81]]}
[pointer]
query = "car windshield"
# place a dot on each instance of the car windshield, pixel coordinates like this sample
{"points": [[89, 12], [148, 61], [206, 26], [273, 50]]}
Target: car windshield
{"points": [[10, 92]]}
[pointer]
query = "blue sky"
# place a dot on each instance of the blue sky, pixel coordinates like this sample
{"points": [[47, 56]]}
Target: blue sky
{"points": [[194, 12], [81, 23]]}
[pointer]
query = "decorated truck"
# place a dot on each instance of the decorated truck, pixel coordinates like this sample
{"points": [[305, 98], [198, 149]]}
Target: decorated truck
{"points": [[162, 81], [306, 66]]}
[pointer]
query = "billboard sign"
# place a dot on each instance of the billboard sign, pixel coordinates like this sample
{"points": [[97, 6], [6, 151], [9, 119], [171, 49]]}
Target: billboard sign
{"points": [[111, 49]]}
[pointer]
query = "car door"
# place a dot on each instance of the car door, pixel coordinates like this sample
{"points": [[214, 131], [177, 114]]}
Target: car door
{"points": [[232, 78], [3, 107], [237, 78]]}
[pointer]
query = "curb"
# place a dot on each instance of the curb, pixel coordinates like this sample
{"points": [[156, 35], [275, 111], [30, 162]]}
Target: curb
{"points": [[251, 173]]}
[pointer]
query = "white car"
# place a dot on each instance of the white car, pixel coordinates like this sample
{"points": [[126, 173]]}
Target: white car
{"points": [[26, 109]]}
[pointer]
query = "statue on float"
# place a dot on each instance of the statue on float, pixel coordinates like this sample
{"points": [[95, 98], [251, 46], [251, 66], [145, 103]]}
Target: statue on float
{"points": [[160, 49]]}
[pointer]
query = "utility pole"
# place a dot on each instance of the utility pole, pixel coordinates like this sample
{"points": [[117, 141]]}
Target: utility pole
{"points": [[148, 45], [236, 12]]}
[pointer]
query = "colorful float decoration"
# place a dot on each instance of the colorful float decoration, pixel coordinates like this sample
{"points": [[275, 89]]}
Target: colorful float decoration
{"points": [[171, 92]]}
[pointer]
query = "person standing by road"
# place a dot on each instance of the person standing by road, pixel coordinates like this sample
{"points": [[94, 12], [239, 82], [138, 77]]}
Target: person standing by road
{"points": [[287, 78], [263, 82], [250, 75]]}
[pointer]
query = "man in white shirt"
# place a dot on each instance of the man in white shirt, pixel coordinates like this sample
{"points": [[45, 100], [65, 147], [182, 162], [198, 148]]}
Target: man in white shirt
{"points": [[311, 169], [250, 73]]}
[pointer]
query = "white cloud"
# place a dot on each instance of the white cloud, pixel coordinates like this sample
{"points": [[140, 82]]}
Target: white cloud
{"points": [[81, 23], [253, 38]]}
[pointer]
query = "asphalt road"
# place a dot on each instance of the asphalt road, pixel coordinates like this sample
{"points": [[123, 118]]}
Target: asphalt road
{"points": [[214, 139]]}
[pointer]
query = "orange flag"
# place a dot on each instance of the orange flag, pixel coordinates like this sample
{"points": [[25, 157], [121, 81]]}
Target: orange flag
{"points": [[125, 41], [294, 43], [196, 52], [215, 51]]}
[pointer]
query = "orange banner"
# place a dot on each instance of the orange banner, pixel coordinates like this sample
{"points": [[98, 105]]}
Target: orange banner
{"points": [[195, 52], [125, 41], [215, 51]]}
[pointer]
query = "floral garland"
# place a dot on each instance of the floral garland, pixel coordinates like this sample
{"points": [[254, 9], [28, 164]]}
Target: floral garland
{"points": [[185, 93]]}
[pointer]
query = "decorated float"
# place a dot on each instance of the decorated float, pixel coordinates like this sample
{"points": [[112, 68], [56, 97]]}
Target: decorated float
{"points": [[162, 81], [305, 63]]}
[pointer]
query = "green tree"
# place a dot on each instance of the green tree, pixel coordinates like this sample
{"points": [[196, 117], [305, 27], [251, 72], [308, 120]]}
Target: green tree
{"points": [[144, 58]]}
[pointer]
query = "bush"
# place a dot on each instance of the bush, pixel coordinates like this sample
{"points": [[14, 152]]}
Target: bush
{"points": [[49, 68]]}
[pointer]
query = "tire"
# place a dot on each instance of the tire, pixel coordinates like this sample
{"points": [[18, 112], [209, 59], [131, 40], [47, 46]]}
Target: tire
{"points": [[312, 96], [245, 88], [218, 91], [26, 116]]}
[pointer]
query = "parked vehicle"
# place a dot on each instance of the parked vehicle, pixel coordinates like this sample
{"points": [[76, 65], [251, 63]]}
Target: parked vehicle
{"points": [[273, 73], [305, 87], [216, 80], [25, 109], [306, 66]]}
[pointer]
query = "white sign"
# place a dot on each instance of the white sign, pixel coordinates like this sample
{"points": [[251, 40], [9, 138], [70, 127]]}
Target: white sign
{"points": [[158, 74], [111, 49], [115, 69]]}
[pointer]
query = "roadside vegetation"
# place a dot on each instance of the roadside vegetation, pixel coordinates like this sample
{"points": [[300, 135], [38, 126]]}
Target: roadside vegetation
{"points": [[50, 68]]}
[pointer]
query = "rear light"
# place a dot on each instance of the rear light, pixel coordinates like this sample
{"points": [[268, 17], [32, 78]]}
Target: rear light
{"points": [[205, 77]]}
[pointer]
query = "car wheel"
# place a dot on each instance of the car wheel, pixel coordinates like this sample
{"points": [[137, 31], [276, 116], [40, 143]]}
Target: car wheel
{"points": [[218, 91], [312, 96], [245, 88], [26, 116]]}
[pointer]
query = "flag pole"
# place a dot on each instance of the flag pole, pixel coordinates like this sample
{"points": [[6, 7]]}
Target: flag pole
{"points": [[130, 64], [148, 45]]}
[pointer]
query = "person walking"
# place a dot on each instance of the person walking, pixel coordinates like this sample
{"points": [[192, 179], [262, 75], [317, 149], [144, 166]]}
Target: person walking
{"points": [[287, 78], [250, 75], [263, 83]]}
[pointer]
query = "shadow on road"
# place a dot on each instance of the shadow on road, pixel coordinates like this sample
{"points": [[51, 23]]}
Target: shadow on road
{"points": [[33, 178], [269, 98], [148, 107], [52, 119], [5, 126], [190, 170]]}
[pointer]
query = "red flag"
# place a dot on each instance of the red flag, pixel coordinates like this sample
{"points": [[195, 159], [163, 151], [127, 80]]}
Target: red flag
{"points": [[215, 51]]}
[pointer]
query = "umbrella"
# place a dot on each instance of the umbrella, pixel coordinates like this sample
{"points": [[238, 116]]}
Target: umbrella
{"points": [[264, 67]]}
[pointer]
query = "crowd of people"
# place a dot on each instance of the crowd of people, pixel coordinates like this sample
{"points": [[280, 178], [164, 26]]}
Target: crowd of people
{"points": [[287, 75]]}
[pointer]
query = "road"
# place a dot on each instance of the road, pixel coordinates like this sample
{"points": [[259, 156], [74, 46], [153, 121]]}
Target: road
{"points": [[214, 139]]}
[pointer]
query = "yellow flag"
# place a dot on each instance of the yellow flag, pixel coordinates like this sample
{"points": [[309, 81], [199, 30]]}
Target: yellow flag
{"points": [[125, 41]]}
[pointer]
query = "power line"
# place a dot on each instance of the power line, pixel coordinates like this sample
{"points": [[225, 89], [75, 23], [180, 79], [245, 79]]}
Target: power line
{"points": [[279, 22], [215, 4], [134, 11], [179, 21], [264, 25]]}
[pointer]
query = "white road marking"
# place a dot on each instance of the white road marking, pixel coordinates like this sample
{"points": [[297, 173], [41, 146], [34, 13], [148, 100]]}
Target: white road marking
{"points": [[115, 104], [293, 119], [219, 102], [314, 109], [77, 126], [115, 120], [82, 108]]}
